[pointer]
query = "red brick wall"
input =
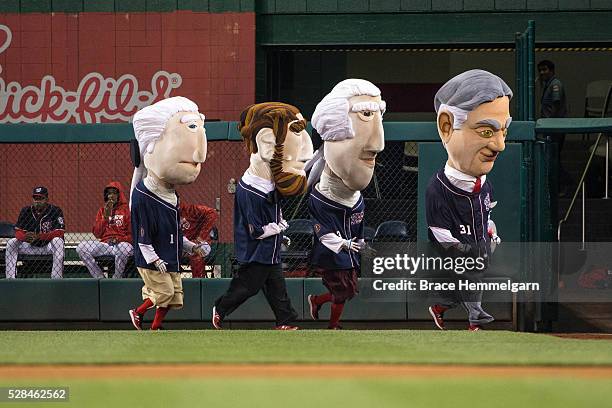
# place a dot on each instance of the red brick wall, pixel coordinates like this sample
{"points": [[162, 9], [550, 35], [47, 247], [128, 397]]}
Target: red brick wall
{"points": [[214, 54]]}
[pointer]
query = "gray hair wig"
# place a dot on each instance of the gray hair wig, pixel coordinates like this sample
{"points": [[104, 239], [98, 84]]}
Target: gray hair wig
{"points": [[467, 91]]}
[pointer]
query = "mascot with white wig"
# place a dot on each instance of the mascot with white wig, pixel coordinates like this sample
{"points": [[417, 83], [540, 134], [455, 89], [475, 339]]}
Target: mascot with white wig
{"points": [[349, 120], [171, 149]]}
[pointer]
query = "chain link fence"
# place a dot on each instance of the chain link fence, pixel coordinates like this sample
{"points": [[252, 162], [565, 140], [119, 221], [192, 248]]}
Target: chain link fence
{"points": [[76, 175]]}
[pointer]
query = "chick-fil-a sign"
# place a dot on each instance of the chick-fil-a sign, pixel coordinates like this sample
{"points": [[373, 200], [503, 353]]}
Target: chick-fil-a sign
{"points": [[95, 98]]}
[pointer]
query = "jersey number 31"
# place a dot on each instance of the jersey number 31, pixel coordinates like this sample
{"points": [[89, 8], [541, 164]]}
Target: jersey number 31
{"points": [[465, 229]]}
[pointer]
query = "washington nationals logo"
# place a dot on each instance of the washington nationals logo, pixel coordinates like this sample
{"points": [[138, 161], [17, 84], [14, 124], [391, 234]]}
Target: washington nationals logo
{"points": [[185, 224], [487, 202], [357, 218], [118, 220]]}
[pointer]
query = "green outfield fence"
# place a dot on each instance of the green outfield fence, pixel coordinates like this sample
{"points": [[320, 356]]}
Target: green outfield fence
{"points": [[75, 162]]}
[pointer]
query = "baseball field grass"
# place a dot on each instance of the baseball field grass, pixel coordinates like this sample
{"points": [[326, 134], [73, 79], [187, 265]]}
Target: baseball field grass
{"points": [[306, 346], [96, 365], [351, 393]]}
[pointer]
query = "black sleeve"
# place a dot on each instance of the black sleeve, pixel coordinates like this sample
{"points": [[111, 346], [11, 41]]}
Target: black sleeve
{"points": [[22, 221], [58, 219]]}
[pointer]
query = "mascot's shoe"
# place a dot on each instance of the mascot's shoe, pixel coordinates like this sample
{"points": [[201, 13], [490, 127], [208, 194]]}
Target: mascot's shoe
{"points": [[136, 319], [338, 327], [474, 327], [216, 318], [314, 308], [286, 327], [483, 318], [437, 313]]}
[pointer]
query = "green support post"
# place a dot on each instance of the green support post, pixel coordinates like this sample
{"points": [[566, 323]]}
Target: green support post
{"points": [[531, 70]]}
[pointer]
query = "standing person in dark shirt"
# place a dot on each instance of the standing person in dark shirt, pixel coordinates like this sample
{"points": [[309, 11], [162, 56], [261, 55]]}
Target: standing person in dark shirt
{"points": [[553, 104], [39, 231], [275, 136], [349, 120], [473, 111]]}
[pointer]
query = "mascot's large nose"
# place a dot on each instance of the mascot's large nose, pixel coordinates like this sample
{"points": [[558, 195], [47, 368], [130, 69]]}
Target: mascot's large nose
{"points": [[199, 155]]}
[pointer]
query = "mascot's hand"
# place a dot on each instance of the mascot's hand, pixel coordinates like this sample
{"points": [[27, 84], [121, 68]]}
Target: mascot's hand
{"points": [[495, 239], [354, 245], [283, 225], [161, 266], [286, 241], [202, 250]]}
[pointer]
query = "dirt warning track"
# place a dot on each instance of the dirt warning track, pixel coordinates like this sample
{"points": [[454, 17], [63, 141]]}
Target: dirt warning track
{"points": [[291, 371]]}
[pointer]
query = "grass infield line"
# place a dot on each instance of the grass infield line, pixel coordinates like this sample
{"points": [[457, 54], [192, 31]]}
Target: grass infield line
{"points": [[293, 371]]}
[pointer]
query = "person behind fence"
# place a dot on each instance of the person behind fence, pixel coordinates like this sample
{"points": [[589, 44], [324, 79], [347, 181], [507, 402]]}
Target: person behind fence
{"points": [[473, 115], [275, 137], [39, 231], [113, 229], [553, 104], [172, 147], [349, 120], [196, 222]]}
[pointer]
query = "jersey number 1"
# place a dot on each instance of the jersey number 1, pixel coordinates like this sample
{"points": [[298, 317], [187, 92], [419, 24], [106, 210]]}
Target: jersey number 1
{"points": [[172, 238]]}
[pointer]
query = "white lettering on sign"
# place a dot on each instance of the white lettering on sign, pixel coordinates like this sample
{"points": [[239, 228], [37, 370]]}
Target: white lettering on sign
{"points": [[95, 98]]}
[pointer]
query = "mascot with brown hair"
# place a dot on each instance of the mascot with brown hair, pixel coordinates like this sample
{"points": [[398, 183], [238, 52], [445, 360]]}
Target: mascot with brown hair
{"points": [[275, 137]]}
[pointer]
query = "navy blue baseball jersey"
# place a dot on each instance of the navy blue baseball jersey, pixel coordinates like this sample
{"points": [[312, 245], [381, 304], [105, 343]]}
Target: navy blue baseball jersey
{"points": [[52, 218], [464, 214], [252, 210], [156, 222], [331, 217]]}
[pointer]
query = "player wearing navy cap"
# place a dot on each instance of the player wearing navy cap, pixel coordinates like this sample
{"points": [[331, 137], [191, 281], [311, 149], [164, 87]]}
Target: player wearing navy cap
{"points": [[39, 231]]}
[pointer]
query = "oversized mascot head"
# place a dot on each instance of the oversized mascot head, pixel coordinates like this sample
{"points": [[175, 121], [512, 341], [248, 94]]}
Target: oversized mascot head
{"points": [[275, 136], [171, 141], [473, 112], [349, 120]]}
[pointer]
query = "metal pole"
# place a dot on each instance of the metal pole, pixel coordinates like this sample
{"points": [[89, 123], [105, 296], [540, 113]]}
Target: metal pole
{"points": [[583, 213], [530, 60], [607, 175], [525, 77], [517, 69]]}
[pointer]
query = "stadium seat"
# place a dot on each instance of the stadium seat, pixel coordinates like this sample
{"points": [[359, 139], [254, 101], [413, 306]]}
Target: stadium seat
{"points": [[296, 257], [6, 232], [394, 231], [596, 93], [32, 264], [107, 264], [368, 233]]}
